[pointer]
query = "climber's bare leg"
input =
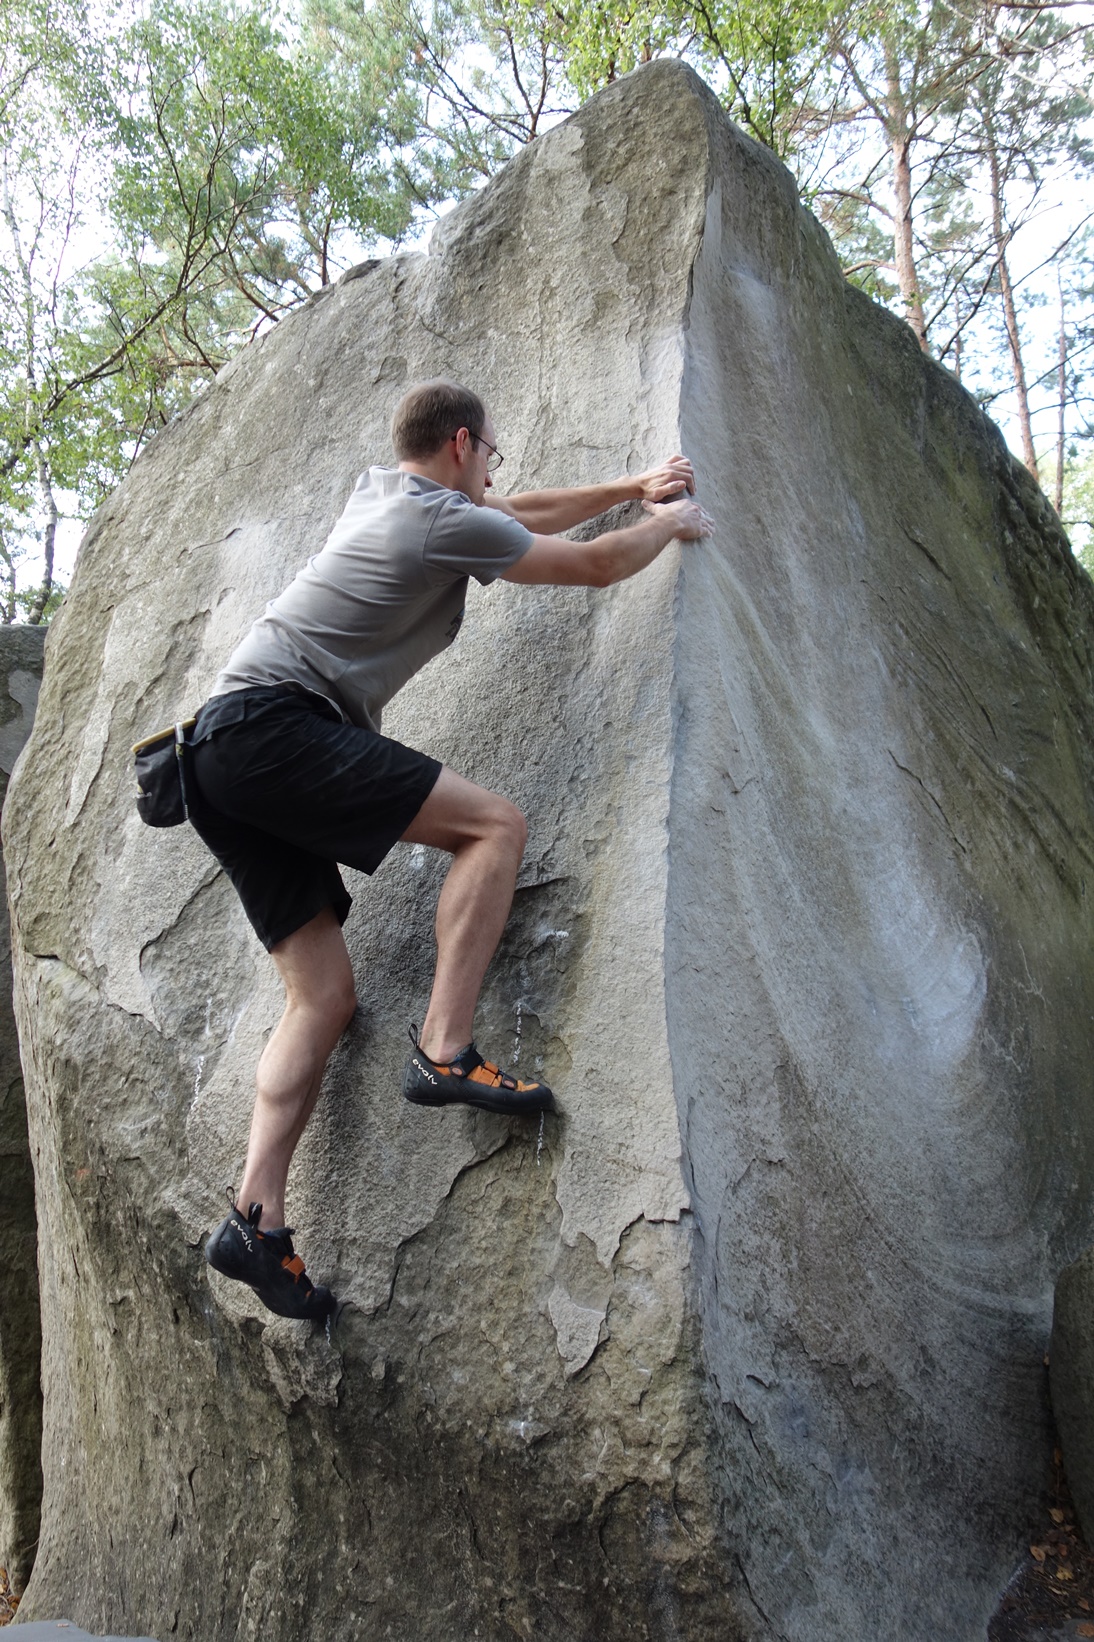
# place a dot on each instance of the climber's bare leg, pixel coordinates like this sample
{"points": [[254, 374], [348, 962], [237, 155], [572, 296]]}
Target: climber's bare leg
{"points": [[319, 1003], [485, 835]]}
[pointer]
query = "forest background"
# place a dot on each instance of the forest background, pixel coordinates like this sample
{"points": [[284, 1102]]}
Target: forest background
{"points": [[177, 177]]}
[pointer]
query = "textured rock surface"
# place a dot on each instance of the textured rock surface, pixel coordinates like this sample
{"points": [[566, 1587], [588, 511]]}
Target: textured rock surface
{"points": [[1072, 1379], [750, 1346], [21, 650], [877, 937]]}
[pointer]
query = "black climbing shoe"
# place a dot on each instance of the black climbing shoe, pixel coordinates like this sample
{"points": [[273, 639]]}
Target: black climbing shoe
{"points": [[468, 1080], [265, 1260]]}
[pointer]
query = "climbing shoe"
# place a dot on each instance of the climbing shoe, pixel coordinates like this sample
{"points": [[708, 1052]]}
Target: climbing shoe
{"points": [[468, 1080], [265, 1260]]}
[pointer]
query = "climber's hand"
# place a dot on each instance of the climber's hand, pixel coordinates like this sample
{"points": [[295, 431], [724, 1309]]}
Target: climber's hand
{"points": [[674, 475], [689, 520]]}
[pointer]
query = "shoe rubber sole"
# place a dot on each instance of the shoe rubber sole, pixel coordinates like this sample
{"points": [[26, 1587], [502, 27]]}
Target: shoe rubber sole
{"points": [[428, 1083], [486, 1101]]}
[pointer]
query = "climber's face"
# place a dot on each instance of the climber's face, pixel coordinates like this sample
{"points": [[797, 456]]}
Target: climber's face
{"points": [[482, 449], [464, 462]]}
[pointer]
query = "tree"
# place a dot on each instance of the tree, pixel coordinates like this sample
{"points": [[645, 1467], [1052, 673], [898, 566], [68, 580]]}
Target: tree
{"points": [[233, 167], [949, 129], [46, 53], [1027, 123], [492, 74]]}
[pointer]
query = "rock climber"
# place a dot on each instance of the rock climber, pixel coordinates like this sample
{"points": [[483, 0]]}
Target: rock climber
{"points": [[294, 776]]}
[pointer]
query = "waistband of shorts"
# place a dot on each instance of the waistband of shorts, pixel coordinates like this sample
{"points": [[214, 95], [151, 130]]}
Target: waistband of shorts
{"points": [[233, 706]]}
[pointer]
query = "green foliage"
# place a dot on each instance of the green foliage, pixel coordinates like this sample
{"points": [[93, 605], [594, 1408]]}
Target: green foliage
{"points": [[598, 43], [246, 158], [220, 165], [1078, 509], [39, 603], [476, 79], [491, 73], [772, 58]]}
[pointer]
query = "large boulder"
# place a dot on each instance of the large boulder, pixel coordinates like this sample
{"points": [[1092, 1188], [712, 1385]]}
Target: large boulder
{"points": [[21, 652], [748, 1343]]}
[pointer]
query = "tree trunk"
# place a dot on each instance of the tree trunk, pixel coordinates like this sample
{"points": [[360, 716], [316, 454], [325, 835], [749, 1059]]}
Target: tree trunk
{"points": [[49, 538], [900, 142], [7, 582], [1001, 239]]}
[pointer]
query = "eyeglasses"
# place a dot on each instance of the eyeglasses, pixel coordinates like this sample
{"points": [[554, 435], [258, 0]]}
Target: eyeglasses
{"points": [[495, 459]]}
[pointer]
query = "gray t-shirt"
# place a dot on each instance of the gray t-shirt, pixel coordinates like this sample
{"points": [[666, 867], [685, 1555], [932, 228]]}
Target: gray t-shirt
{"points": [[383, 596]]}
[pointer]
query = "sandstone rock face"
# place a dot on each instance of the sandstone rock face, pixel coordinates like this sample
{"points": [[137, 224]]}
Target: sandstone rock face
{"points": [[877, 935], [748, 1343], [21, 651]]}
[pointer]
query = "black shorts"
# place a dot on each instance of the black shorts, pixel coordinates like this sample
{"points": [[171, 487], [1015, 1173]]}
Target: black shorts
{"points": [[286, 788]]}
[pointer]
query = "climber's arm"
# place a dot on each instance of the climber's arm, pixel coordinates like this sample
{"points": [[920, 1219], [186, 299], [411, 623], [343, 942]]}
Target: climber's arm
{"points": [[548, 511], [553, 561]]}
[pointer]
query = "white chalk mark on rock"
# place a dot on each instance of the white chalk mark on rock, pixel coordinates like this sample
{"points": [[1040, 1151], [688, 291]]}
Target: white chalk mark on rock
{"points": [[577, 1329]]}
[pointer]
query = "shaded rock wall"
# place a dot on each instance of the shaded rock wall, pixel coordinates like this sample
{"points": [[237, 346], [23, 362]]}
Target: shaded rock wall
{"points": [[878, 929], [21, 650], [748, 1343]]}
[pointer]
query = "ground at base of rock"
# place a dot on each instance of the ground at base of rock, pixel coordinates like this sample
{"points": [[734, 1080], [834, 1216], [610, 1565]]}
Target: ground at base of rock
{"points": [[1051, 1596]]}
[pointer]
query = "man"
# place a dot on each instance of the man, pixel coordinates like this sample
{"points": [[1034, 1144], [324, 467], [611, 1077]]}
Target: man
{"points": [[294, 775]]}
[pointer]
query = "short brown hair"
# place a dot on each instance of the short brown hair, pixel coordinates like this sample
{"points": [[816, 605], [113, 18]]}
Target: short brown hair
{"points": [[429, 415]]}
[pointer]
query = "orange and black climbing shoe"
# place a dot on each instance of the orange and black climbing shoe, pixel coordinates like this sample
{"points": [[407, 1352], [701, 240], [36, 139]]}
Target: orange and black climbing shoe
{"points": [[468, 1080], [265, 1260]]}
